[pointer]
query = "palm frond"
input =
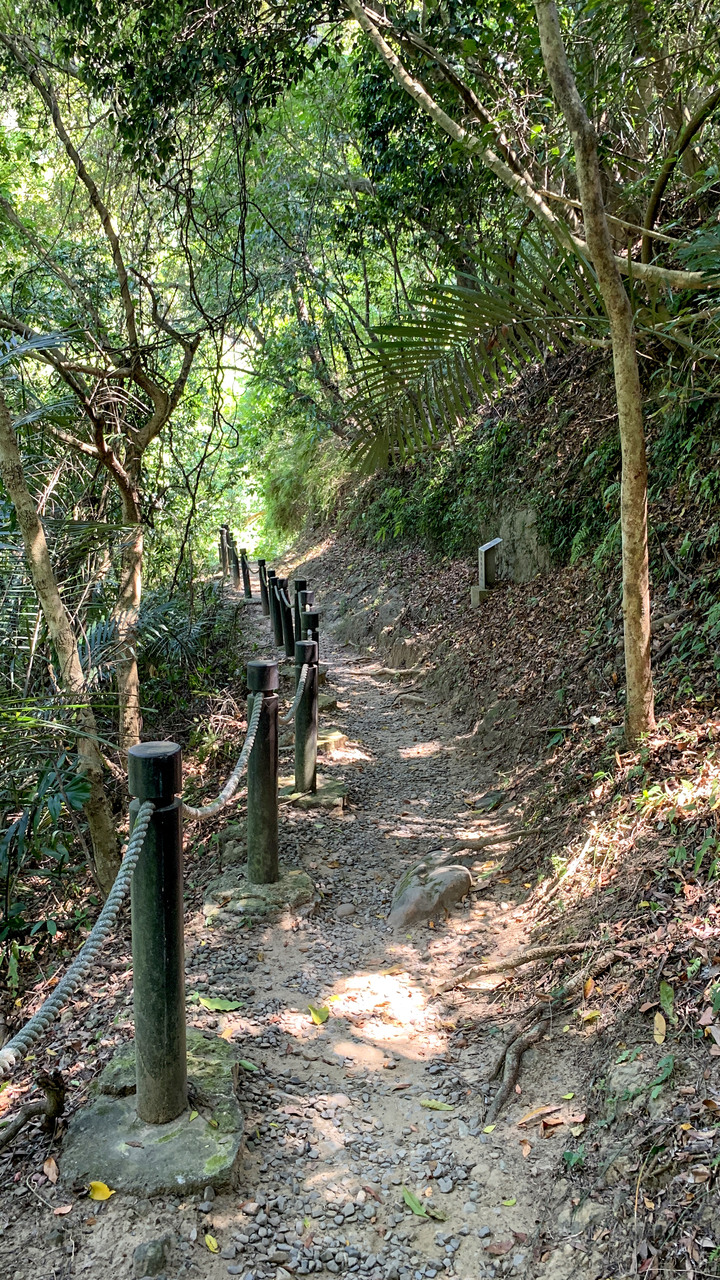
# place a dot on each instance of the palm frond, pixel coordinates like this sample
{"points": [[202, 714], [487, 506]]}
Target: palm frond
{"points": [[421, 378]]}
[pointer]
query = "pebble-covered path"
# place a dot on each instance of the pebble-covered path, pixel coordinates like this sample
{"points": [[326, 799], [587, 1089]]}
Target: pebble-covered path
{"points": [[386, 1094]]}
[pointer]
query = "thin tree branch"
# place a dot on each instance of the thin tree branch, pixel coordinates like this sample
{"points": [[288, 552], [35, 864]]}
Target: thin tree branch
{"points": [[690, 130], [528, 194]]}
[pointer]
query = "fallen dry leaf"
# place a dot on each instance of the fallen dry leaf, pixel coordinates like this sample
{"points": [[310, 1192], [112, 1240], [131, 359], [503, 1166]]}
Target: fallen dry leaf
{"points": [[536, 1114], [551, 1122], [62, 1209], [526, 1148], [499, 1247], [50, 1170], [100, 1191], [659, 1029]]}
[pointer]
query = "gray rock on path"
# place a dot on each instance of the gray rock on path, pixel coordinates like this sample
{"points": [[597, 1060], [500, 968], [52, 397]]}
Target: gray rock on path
{"points": [[149, 1258], [428, 887]]}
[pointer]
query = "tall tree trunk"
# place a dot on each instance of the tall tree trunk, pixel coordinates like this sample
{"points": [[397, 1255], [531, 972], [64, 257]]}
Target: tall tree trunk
{"points": [[97, 808], [639, 705], [126, 617]]}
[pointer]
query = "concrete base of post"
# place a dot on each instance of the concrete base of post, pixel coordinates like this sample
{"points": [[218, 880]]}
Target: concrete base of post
{"points": [[232, 899], [476, 595], [107, 1142], [330, 793]]}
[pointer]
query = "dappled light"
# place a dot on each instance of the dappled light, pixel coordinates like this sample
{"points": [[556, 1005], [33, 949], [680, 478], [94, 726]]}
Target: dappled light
{"points": [[359, 641]]}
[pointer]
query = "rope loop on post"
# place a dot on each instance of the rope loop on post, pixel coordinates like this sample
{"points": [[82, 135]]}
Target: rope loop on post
{"points": [[233, 782], [16, 1049], [287, 717]]}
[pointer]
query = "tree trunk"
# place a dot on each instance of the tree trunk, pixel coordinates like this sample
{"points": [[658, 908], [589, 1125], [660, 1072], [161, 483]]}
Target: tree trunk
{"points": [[126, 617], [97, 808], [639, 704]]}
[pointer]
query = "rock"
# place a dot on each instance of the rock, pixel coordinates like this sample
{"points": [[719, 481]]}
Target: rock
{"points": [[107, 1140], [344, 910], [233, 895], [149, 1258], [425, 889]]}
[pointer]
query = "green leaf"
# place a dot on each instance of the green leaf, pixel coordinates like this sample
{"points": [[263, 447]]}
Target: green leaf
{"points": [[247, 1065], [217, 1004], [433, 1104], [438, 1214], [413, 1203], [666, 1066], [667, 1000], [319, 1015], [510, 1202]]}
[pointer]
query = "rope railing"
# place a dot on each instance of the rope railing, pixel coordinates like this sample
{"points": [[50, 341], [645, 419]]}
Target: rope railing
{"points": [[16, 1049], [233, 782], [290, 714], [154, 776]]}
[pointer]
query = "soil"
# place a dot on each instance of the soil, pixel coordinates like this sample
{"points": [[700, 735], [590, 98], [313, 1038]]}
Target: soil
{"points": [[602, 1164]]}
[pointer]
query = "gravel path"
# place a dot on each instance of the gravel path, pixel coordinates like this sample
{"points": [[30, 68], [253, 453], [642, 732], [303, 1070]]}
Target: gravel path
{"points": [[336, 1125]]}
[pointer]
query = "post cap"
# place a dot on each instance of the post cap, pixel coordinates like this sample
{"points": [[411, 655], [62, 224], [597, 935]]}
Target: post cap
{"points": [[272, 573], [282, 583], [306, 651], [243, 551], [263, 677], [261, 563], [155, 771], [306, 598], [300, 584]]}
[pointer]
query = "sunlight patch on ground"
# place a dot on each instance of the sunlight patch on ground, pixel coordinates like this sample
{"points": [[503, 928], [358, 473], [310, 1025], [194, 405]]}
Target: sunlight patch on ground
{"points": [[421, 750]]}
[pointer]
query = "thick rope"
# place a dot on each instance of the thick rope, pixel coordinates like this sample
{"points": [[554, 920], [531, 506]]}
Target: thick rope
{"points": [[285, 719], [233, 782], [285, 599], [17, 1048]]}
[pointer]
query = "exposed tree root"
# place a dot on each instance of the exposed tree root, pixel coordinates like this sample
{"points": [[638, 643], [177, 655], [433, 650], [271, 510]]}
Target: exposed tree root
{"points": [[513, 1054], [510, 1054], [53, 1086], [514, 962]]}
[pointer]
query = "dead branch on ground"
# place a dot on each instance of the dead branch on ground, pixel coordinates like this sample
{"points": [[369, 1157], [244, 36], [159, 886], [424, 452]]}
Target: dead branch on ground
{"points": [[53, 1086]]}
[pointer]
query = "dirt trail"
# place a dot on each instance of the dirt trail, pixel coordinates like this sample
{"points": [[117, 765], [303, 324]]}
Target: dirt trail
{"points": [[336, 1124]]}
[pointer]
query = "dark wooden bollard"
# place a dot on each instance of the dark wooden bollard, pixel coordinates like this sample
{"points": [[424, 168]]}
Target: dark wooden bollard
{"points": [[310, 621], [234, 564], [306, 717], [156, 896], [299, 584], [262, 776], [287, 618], [264, 599], [247, 588], [275, 614]]}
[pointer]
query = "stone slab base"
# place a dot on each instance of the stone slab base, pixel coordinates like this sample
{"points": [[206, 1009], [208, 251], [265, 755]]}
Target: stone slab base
{"points": [[331, 741], [476, 595], [331, 794], [107, 1142], [232, 895]]}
